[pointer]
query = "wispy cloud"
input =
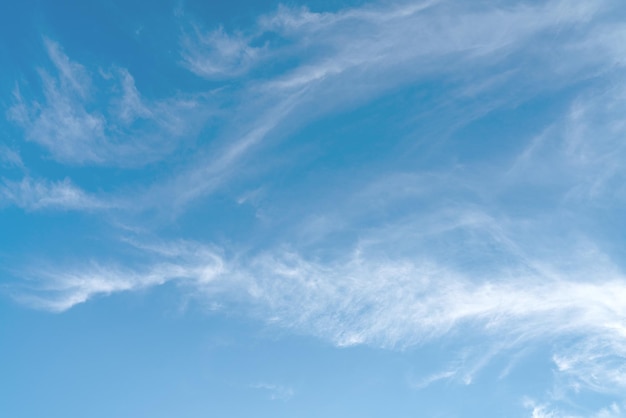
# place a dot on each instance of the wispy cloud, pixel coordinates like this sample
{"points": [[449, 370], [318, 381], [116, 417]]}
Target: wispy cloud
{"points": [[369, 299], [32, 195], [582, 153], [217, 54], [57, 289], [76, 128], [596, 363], [613, 411], [546, 411], [10, 158], [398, 35], [360, 53], [276, 392], [433, 378], [352, 56], [422, 255]]}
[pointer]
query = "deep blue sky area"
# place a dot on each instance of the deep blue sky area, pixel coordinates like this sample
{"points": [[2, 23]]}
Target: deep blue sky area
{"points": [[312, 209]]}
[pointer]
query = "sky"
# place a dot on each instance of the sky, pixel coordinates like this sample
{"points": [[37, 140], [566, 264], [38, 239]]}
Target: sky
{"points": [[330, 208]]}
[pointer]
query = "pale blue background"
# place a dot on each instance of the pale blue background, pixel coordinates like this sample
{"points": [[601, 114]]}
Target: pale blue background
{"points": [[312, 209]]}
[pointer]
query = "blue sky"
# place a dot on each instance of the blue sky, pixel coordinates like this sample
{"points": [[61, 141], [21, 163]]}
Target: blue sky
{"points": [[307, 209]]}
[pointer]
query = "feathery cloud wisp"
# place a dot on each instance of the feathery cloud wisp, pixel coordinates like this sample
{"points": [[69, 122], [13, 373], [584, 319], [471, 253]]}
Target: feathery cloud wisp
{"points": [[32, 195], [77, 129]]}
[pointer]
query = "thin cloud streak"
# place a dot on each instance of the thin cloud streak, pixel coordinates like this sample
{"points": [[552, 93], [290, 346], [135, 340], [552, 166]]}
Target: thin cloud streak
{"points": [[58, 290]]}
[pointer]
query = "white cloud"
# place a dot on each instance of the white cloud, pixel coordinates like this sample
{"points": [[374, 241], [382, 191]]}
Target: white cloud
{"points": [[389, 303], [353, 51], [542, 411], [31, 194], [130, 106], [75, 128], [209, 171], [276, 392], [419, 274], [597, 362], [402, 37], [217, 54], [346, 57], [10, 157], [367, 298], [354, 55], [57, 289], [73, 77], [64, 126], [581, 155], [545, 411], [613, 411], [433, 378]]}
